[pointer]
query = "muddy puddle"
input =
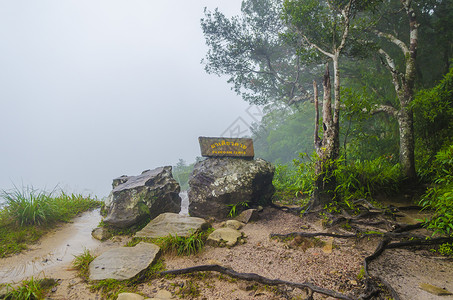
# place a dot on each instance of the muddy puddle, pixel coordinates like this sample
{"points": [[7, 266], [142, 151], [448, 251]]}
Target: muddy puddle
{"points": [[55, 249], [58, 248]]}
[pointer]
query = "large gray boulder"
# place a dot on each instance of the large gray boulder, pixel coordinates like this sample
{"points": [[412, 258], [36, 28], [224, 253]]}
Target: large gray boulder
{"points": [[136, 197], [217, 184]]}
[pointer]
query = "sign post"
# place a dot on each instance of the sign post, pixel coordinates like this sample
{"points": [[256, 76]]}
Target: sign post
{"points": [[226, 147]]}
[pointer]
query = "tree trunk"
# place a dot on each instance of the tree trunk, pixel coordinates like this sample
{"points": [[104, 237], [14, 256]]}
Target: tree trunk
{"points": [[406, 131], [326, 149], [404, 88]]}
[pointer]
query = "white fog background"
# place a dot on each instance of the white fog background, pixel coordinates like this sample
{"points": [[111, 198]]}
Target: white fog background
{"points": [[91, 90]]}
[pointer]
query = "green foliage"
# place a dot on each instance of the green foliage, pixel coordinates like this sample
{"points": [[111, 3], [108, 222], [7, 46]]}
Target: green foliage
{"points": [[29, 290], [365, 179], [440, 197], [433, 109], [366, 137], [446, 249], [355, 180], [82, 263], [260, 64], [296, 180], [361, 274], [14, 239], [234, 208]]}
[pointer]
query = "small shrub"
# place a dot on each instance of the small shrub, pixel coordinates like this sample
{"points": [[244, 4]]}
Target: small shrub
{"points": [[440, 197], [446, 249]]}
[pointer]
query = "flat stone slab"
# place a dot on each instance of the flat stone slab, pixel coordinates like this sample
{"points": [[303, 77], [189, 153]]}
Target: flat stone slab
{"points": [[174, 224], [124, 262], [129, 296], [224, 237]]}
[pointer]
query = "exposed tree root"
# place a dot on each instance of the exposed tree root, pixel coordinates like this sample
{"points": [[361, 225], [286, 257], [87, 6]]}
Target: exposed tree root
{"points": [[312, 234], [394, 231], [309, 287], [335, 235]]}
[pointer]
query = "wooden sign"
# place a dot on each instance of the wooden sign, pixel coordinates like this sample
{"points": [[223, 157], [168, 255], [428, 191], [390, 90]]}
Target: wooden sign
{"points": [[226, 147]]}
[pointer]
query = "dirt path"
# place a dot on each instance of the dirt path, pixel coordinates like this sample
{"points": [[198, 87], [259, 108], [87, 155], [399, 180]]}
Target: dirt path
{"points": [[335, 268], [54, 252]]}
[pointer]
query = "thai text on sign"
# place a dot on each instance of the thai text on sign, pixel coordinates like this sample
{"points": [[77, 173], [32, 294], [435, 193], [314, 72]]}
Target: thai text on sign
{"points": [[233, 147]]}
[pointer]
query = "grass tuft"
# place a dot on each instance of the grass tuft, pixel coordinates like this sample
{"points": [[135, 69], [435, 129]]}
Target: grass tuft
{"points": [[28, 213], [29, 206], [82, 263], [30, 289], [183, 245]]}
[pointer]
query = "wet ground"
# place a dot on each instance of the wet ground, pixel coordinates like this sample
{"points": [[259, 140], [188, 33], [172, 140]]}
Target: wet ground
{"points": [[57, 248]]}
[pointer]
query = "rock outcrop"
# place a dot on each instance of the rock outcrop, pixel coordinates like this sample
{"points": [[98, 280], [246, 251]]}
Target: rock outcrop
{"points": [[218, 184], [135, 197]]}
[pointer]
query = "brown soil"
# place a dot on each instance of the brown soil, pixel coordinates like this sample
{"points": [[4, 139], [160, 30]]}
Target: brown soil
{"points": [[305, 261]]}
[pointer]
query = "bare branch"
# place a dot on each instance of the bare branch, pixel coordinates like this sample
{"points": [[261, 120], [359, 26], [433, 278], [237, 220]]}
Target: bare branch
{"points": [[390, 65], [394, 40], [345, 12], [331, 55], [383, 108]]}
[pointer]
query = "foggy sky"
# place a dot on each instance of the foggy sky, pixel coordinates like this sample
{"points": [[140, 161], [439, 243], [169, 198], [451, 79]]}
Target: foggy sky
{"points": [[91, 90]]}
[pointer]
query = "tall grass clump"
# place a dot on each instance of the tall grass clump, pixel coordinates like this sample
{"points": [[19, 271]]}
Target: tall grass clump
{"points": [[28, 213], [29, 206], [439, 197]]}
